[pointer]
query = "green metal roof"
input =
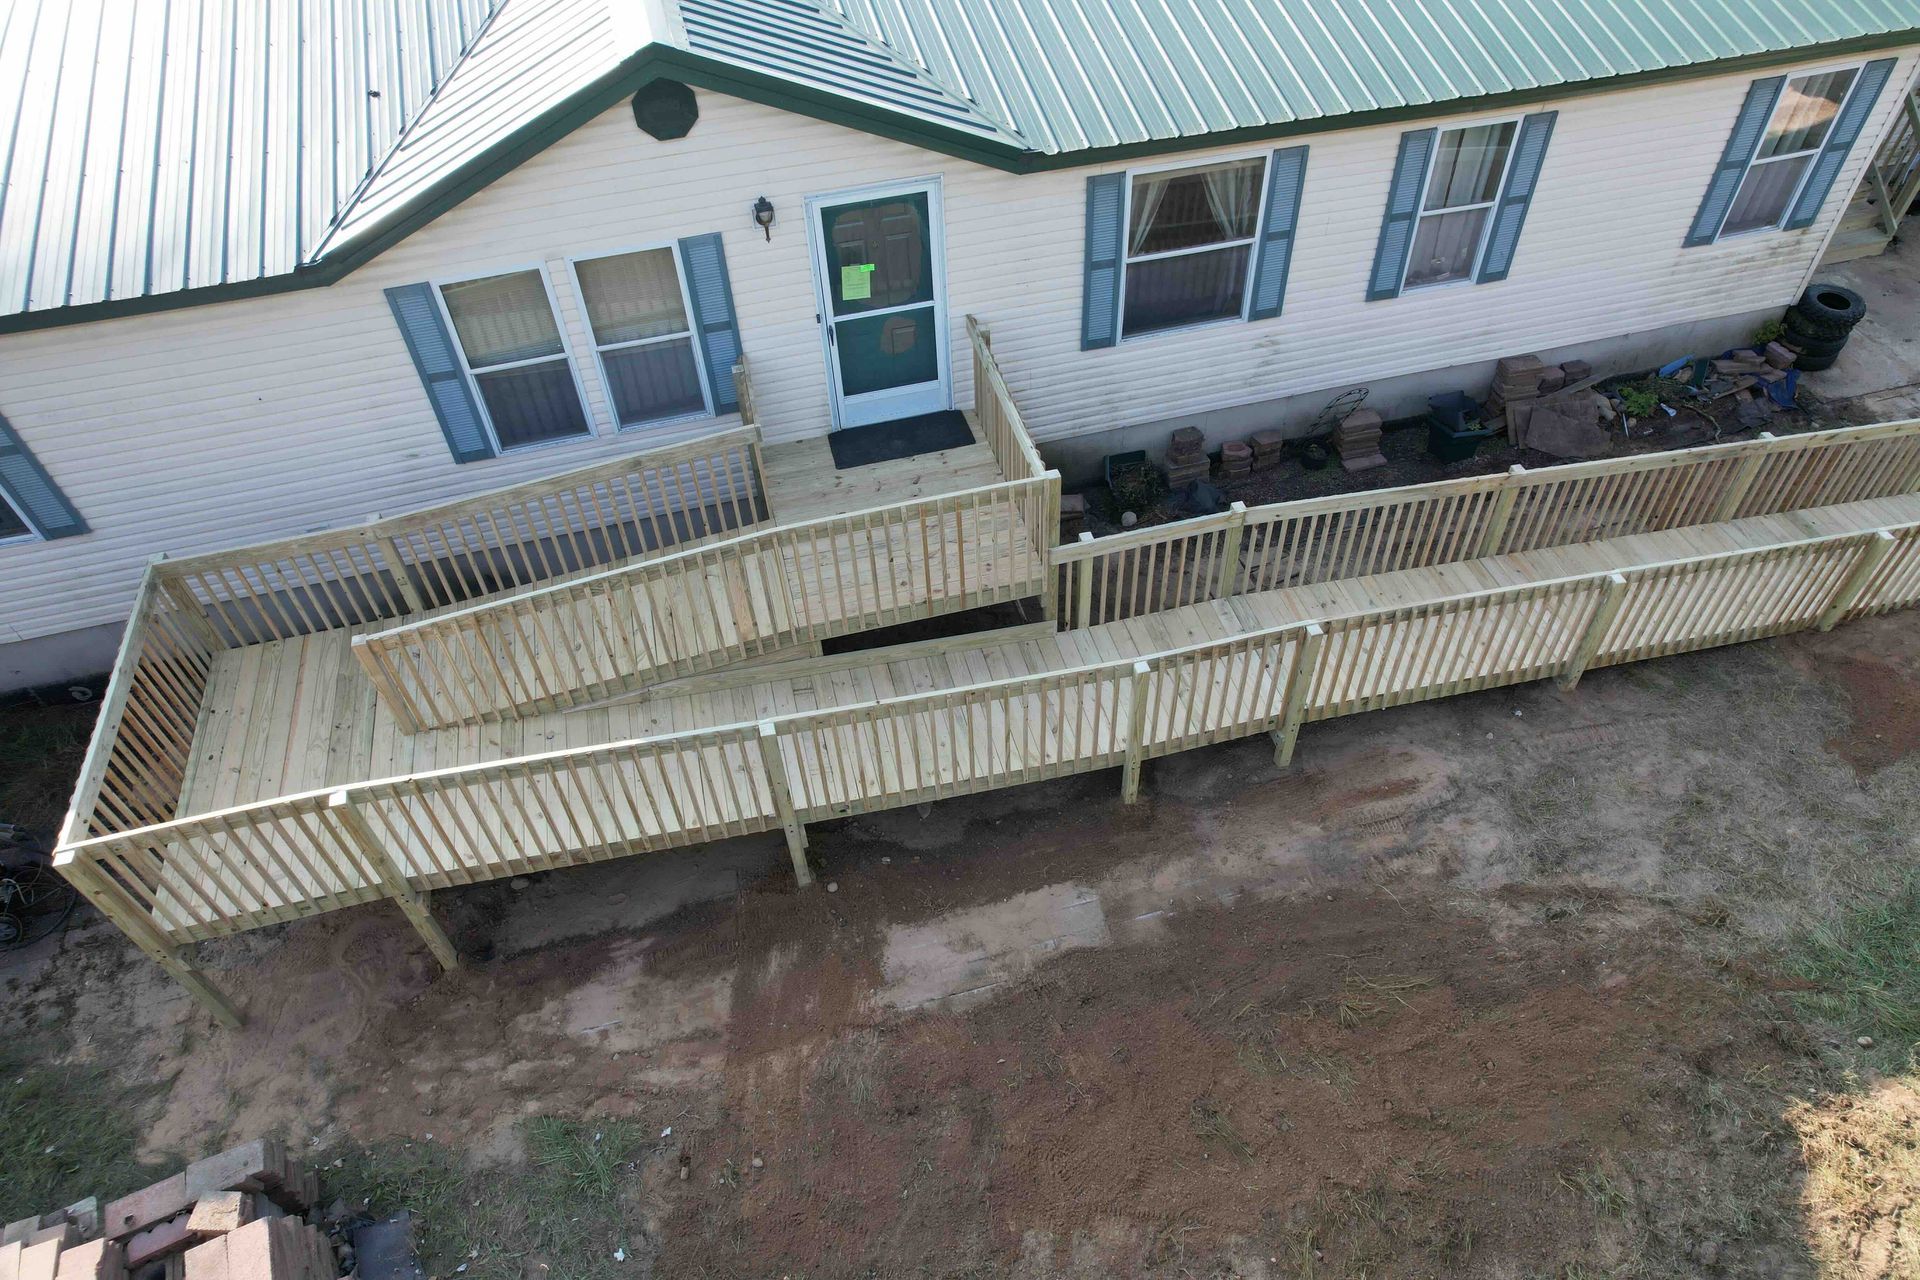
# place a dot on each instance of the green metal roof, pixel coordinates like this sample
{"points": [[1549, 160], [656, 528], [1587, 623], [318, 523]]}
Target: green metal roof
{"points": [[164, 153]]}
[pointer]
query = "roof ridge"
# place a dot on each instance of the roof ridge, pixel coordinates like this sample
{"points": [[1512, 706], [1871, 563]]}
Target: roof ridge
{"points": [[342, 214], [831, 10]]}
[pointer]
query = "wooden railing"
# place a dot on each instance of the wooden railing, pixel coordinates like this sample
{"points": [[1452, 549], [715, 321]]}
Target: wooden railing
{"points": [[1320, 539], [505, 540], [1894, 172], [1005, 431], [609, 632], [136, 765], [215, 873]]}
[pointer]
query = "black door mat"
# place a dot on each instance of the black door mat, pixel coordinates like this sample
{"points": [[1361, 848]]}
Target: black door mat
{"points": [[901, 438]]}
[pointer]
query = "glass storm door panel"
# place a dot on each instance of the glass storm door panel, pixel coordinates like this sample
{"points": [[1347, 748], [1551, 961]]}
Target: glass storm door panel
{"points": [[879, 259]]}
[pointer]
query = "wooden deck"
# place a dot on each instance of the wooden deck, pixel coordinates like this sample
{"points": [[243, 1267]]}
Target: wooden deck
{"points": [[804, 484], [297, 715]]}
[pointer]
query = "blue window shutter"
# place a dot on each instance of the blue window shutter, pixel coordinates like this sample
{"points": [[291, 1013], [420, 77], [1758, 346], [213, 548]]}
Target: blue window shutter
{"points": [[1510, 214], [1403, 209], [1846, 129], [431, 346], [1106, 223], [714, 321], [1286, 174], [1741, 144], [33, 491]]}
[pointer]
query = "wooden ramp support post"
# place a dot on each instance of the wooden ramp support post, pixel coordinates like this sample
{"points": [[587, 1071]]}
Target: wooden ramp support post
{"points": [[1603, 615], [174, 960], [1742, 483], [1293, 702], [1502, 513], [1230, 538], [1136, 734], [790, 823], [1872, 552], [360, 836]]}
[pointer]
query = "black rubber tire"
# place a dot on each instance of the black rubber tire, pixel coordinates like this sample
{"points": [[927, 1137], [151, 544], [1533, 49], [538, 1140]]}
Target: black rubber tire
{"points": [[1817, 347], [1832, 304], [1805, 328], [1814, 364]]}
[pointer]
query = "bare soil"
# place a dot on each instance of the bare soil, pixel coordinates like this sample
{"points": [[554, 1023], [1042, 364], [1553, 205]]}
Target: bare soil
{"points": [[1490, 987]]}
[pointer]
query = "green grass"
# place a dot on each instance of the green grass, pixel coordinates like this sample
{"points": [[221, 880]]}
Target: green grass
{"points": [[70, 1131], [567, 1206], [1867, 967]]}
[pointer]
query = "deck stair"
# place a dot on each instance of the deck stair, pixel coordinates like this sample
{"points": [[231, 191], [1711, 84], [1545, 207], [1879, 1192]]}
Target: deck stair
{"points": [[232, 786]]}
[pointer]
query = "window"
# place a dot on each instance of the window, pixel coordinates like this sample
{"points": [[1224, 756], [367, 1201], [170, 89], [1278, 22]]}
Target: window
{"points": [[1801, 121], [1189, 243], [638, 311], [1463, 183], [512, 348], [12, 523]]}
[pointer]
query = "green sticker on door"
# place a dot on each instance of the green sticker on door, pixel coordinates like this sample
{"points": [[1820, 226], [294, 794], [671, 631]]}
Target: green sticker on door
{"points": [[856, 282]]}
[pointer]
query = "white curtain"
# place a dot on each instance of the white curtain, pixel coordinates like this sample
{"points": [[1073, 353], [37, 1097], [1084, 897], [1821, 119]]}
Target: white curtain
{"points": [[1231, 193], [1148, 194]]}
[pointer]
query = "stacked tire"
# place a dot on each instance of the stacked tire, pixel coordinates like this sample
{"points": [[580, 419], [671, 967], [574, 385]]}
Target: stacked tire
{"points": [[1819, 325]]}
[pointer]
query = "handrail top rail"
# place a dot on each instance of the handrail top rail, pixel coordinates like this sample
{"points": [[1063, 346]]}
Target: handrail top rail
{"points": [[292, 803], [361, 531], [1525, 478], [665, 563], [106, 724], [1030, 452]]}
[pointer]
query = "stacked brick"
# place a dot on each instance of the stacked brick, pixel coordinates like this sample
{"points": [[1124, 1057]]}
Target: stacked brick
{"points": [[1269, 449], [1236, 460], [1357, 441], [1186, 456], [234, 1216]]}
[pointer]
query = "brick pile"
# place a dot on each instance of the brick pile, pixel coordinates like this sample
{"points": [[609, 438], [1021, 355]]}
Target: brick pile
{"points": [[1516, 385], [1186, 456], [1236, 460], [1357, 441], [234, 1216], [1269, 448]]}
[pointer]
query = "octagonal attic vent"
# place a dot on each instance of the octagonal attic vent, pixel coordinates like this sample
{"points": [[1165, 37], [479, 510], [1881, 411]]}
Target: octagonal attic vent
{"points": [[665, 109]]}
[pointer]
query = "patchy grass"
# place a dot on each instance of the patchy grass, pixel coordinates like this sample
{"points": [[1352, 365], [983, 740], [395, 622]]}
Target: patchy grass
{"points": [[40, 753], [563, 1213], [69, 1129], [1866, 967]]}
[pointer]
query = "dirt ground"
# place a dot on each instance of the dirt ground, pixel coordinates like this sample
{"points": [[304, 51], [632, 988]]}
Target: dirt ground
{"points": [[1504, 986]]}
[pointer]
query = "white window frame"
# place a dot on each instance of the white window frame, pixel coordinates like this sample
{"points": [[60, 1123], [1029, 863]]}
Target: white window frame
{"points": [[32, 534], [692, 333], [1753, 162], [1421, 212], [473, 382], [1253, 242]]}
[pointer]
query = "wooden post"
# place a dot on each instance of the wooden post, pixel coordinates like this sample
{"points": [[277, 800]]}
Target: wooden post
{"points": [[1502, 511], [1083, 588], [1872, 552], [790, 823], [1293, 703], [142, 933], [411, 904], [1742, 482], [402, 576], [1230, 550], [1603, 616], [1136, 731], [1050, 527]]}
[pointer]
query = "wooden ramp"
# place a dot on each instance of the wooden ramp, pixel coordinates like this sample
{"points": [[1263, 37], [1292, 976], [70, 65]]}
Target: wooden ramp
{"points": [[297, 718]]}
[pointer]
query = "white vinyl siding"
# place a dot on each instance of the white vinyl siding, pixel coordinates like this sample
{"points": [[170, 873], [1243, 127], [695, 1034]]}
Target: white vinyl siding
{"points": [[200, 429]]}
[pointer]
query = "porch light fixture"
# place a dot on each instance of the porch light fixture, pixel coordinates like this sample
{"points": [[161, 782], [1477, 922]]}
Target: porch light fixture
{"points": [[763, 215]]}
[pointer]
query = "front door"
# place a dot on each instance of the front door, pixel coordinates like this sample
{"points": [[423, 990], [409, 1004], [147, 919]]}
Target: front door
{"points": [[878, 260]]}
